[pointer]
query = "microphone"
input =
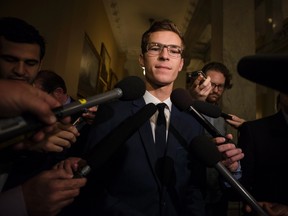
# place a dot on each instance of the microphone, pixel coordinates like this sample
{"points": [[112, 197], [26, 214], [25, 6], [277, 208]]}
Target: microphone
{"points": [[259, 68], [109, 145], [183, 101], [203, 107], [13, 130], [130, 88], [210, 110], [206, 151]]}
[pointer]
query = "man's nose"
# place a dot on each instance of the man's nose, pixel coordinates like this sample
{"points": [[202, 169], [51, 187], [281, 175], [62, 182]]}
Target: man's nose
{"points": [[19, 68]]}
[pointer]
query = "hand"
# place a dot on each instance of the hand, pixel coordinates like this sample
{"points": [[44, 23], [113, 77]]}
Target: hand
{"points": [[235, 122], [273, 209], [70, 164], [200, 89], [230, 152], [47, 193], [61, 137], [23, 98]]}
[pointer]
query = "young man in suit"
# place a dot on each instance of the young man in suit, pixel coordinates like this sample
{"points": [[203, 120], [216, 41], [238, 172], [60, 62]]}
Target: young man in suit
{"points": [[130, 183]]}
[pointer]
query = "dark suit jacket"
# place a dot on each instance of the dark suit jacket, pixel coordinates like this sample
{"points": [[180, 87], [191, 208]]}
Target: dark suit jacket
{"points": [[265, 145], [129, 184]]}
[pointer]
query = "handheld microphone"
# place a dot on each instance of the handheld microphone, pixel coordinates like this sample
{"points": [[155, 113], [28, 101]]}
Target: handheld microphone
{"points": [[109, 145], [206, 151], [182, 99], [205, 108], [13, 130]]}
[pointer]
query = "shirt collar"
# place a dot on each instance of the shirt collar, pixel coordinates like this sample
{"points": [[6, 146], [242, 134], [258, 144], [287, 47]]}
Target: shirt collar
{"points": [[149, 98]]}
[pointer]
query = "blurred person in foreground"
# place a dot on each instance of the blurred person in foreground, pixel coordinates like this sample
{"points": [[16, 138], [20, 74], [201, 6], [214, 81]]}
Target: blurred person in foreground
{"points": [[22, 49], [264, 142], [256, 68]]}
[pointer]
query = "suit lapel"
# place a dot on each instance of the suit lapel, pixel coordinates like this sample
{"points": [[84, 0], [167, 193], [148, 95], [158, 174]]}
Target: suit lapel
{"points": [[147, 140]]}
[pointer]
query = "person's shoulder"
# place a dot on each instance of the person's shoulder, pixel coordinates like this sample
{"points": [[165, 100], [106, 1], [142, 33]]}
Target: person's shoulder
{"points": [[266, 121]]}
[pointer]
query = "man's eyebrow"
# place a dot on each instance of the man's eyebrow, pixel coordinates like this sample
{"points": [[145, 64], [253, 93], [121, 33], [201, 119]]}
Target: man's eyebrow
{"points": [[16, 58]]}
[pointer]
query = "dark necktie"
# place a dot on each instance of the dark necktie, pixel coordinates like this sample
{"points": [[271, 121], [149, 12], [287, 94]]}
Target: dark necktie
{"points": [[160, 130]]}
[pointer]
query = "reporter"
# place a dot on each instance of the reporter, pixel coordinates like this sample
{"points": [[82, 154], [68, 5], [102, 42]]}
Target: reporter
{"points": [[46, 192]]}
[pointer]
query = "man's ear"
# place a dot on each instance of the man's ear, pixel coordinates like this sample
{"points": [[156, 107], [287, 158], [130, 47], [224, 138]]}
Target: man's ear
{"points": [[141, 60], [58, 92]]}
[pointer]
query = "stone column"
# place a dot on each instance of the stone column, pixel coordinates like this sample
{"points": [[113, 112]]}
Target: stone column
{"points": [[233, 36]]}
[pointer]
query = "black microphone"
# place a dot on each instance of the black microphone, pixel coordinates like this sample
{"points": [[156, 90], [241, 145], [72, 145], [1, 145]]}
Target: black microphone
{"points": [[206, 151], [109, 145], [13, 130], [203, 107], [130, 88], [265, 69], [183, 101]]}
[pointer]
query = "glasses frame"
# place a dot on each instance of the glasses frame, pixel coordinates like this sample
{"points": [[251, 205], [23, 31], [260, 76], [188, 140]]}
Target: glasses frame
{"points": [[161, 47], [220, 87]]}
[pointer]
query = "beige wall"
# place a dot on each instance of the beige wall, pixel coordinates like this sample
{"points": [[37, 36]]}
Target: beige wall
{"points": [[63, 24]]}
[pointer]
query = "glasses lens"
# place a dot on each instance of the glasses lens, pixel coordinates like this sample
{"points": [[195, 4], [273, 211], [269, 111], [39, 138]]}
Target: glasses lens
{"points": [[220, 86], [155, 49], [174, 51]]}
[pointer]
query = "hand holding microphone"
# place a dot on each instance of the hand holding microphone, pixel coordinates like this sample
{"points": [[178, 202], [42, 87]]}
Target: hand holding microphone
{"points": [[231, 155], [206, 151], [13, 130], [182, 99]]}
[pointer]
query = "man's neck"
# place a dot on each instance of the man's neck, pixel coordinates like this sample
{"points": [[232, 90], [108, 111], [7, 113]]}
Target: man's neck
{"points": [[160, 92]]}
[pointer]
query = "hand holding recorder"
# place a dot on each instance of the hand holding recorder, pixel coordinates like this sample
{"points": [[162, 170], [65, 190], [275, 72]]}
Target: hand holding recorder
{"points": [[200, 85]]}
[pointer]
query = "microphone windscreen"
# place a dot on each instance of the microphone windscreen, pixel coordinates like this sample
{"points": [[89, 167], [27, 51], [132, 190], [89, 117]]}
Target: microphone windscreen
{"points": [[132, 87], [265, 69], [181, 98], [208, 109], [205, 150]]}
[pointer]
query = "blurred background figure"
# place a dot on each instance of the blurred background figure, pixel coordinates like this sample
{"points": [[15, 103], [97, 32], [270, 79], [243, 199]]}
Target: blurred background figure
{"points": [[53, 84]]}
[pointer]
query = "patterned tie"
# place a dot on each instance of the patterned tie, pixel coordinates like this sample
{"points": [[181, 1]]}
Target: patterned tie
{"points": [[160, 130]]}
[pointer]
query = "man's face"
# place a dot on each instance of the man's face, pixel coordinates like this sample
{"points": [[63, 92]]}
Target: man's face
{"points": [[19, 61], [218, 82], [162, 69]]}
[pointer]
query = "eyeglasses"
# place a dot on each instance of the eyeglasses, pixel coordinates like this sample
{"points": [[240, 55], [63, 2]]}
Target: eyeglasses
{"points": [[154, 49], [219, 86]]}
